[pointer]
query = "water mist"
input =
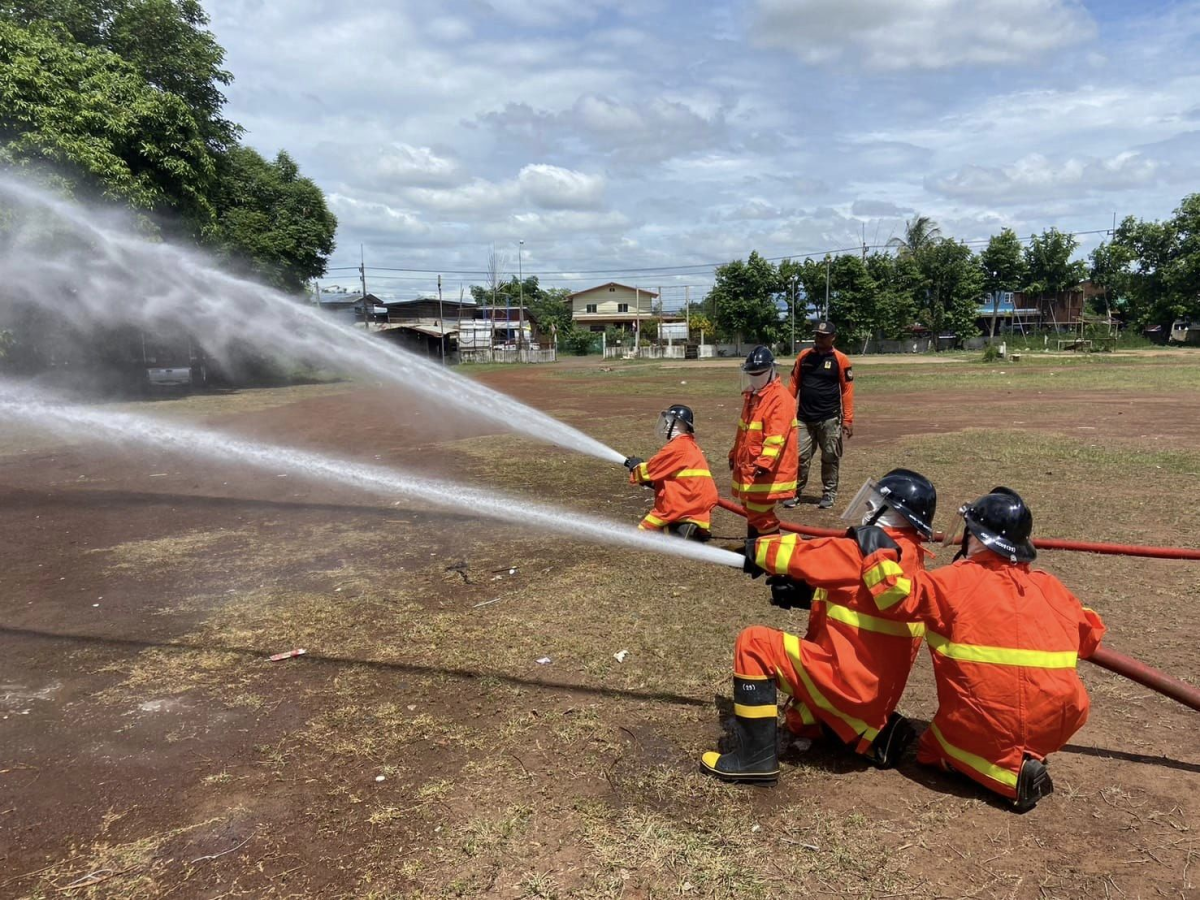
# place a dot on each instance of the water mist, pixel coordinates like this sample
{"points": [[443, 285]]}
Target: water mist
{"points": [[42, 411], [95, 264]]}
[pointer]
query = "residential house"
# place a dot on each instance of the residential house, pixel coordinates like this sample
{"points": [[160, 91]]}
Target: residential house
{"points": [[619, 305]]}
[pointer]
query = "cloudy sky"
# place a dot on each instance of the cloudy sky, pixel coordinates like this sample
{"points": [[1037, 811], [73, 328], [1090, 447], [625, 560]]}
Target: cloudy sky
{"points": [[643, 140]]}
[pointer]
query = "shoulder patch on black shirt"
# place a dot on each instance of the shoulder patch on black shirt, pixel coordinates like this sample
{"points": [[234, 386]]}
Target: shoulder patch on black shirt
{"points": [[849, 373]]}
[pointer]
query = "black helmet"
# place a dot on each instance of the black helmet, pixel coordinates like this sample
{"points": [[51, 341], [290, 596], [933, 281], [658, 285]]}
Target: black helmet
{"points": [[672, 417], [760, 360], [1002, 522], [912, 495]]}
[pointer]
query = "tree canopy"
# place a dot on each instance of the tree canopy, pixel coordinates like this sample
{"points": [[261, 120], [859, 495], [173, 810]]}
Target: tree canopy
{"points": [[121, 101]]}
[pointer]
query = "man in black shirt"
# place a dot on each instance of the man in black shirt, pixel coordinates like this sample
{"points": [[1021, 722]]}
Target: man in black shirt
{"points": [[823, 385]]}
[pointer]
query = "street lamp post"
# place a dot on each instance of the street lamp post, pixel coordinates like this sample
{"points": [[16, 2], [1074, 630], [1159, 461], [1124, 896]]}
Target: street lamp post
{"points": [[521, 300]]}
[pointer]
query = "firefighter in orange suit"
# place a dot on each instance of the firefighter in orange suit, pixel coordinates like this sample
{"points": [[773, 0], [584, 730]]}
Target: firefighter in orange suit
{"points": [[1005, 640], [684, 490], [764, 458], [848, 672]]}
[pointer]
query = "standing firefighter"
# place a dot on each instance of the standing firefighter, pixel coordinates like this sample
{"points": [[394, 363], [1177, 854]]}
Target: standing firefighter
{"points": [[849, 670], [1005, 640], [823, 385], [684, 490], [763, 458]]}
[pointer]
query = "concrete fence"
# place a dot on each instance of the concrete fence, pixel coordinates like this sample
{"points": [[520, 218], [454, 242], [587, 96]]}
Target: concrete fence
{"points": [[508, 355]]}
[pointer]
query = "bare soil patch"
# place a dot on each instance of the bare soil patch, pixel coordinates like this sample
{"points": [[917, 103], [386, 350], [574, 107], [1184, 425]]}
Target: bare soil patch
{"points": [[420, 749]]}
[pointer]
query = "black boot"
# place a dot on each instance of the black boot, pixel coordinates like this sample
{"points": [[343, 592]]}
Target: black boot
{"points": [[752, 533], [755, 726], [889, 745], [1033, 783]]}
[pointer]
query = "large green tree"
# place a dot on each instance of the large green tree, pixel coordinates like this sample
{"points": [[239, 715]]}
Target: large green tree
{"points": [[166, 41], [270, 219], [952, 283], [1051, 267], [896, 284], [744, 299], [88, 116], [1004, 267]]}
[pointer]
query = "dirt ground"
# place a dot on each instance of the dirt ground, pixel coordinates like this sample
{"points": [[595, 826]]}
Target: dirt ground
{"points": [[148, 748]]}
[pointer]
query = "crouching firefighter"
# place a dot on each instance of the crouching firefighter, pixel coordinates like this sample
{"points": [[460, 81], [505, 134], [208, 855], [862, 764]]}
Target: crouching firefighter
{"points": [[1005, 640], [847, 673], [684, 490], [764, 460]]}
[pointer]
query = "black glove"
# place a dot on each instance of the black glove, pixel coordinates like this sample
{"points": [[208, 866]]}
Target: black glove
{"points": [[872, 538], [749, 566], [632, 462], [761, 472], [731, 464], [787, 593]]}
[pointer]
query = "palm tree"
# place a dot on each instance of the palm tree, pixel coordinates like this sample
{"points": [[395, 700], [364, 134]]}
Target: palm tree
{"points": [[920, 233]]}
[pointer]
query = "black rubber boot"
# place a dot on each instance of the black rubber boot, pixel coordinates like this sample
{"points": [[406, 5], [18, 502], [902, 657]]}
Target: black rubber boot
{"points": [[889, 745], [689, 531], [755, 726], [1033, 783], [752, 533]]}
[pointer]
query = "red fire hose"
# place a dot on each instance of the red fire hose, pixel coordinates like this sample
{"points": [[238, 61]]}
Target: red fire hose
{"points": [[1130, 668], [1040, 543]]}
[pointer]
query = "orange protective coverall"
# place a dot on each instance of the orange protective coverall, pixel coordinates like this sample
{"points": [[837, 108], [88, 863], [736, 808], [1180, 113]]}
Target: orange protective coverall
{"points": [[684, 489], [845, 378], [1004, 640], [851, 667], [766, 440]]}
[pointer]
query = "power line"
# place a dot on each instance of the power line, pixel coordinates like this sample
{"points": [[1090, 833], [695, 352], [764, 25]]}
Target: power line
{"points": [[577, 274]]}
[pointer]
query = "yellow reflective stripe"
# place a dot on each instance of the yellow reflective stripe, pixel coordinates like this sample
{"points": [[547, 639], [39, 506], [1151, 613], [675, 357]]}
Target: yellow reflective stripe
{"points": [[755, 712], [693, 473], [879, 572], [775, 440], [791, 645], [643, 472], [895, 594], [703, 523], [770, 452], [795, 423], [759, 507], [820, 595], [806, 715], [750, 426], [1002, 656], [783, 556], [654, 520], [765, 488], [848, 616], [978, 763]]}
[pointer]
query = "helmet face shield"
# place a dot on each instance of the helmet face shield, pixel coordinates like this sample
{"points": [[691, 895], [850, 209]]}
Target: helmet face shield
{"points": [[757, 381], [866, 503], [666, 427]]}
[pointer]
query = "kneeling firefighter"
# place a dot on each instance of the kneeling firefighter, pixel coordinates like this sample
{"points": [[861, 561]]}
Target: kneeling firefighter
{"points": [[684, 490], [764, 459], [847, 673], [1005, 640]]}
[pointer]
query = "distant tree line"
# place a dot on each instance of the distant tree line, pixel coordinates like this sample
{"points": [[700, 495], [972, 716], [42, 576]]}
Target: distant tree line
{"points": [[1149, 274], [121, 101]]}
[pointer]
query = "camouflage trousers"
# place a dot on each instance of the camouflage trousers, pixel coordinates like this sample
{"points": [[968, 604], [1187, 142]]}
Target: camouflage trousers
{"points": [[826, 434]]}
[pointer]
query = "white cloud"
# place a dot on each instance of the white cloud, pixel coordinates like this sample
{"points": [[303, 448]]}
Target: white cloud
{"points": [[536, 185], [403, 164], [878, 209], [1035, 176], [921, 34]]}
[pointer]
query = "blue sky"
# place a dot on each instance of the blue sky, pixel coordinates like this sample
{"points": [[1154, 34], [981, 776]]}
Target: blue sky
{"points": [[625, 135]]}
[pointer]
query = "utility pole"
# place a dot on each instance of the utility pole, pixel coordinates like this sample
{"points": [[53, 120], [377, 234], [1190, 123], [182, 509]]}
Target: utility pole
{"points": [[794, 297], [441, 324], [521, 291], [362, 274], [995, 308], [826, 316], [687, 308]]}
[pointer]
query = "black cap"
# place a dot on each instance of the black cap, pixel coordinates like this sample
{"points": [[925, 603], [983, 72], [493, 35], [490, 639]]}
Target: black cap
{"points": [[824, 327]]}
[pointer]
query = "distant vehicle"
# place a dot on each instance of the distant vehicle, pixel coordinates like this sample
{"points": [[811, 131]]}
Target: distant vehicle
{"points": [[171, 362]]}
